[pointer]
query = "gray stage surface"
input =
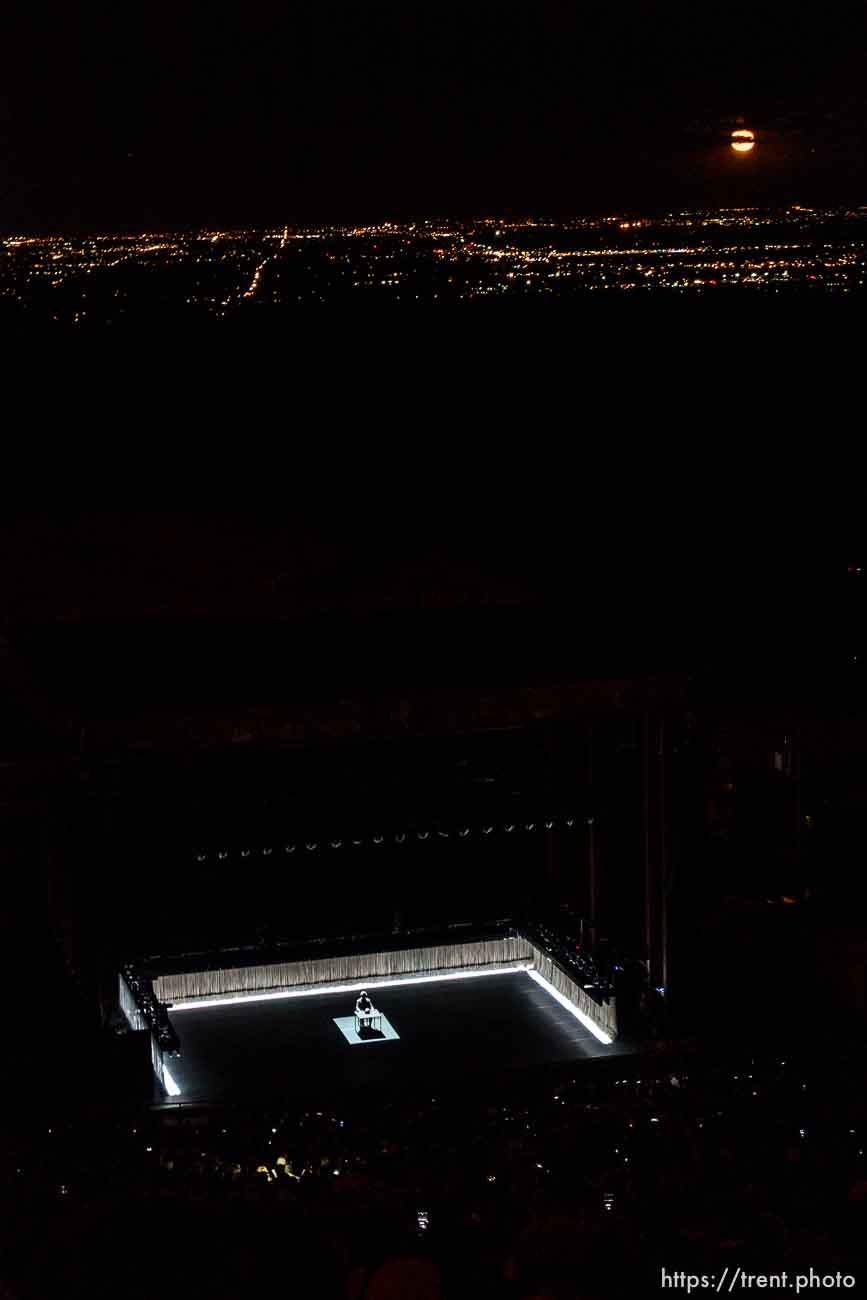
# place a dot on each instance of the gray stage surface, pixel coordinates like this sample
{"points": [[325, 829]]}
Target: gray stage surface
{"points": [[262, 1051]]}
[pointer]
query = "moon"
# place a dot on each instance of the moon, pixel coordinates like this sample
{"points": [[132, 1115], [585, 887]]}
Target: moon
{"points": [[743, 140]]}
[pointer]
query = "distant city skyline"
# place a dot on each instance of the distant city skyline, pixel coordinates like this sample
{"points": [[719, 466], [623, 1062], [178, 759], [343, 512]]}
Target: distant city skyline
{"points": [[246, 275]]}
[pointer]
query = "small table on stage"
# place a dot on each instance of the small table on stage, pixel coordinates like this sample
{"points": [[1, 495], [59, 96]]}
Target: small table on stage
{"points": [[372, 1020]]}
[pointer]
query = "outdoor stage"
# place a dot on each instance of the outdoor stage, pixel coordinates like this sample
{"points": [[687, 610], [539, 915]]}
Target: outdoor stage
{"points": [[261, 1050]]}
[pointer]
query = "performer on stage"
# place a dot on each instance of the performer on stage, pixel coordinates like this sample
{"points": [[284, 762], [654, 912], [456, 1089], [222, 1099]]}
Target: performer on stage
{"points": [[363, 1006]]}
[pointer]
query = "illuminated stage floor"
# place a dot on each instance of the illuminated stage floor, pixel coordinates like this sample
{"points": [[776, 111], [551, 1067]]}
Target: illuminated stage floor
{"points": [[260, 1051]]}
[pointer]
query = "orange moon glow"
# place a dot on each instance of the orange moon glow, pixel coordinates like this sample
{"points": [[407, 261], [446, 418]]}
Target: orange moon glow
{"points": [[743, 141]]}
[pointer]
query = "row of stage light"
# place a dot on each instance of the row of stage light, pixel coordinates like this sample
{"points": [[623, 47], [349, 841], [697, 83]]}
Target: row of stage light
{"points": [[402, 837]]}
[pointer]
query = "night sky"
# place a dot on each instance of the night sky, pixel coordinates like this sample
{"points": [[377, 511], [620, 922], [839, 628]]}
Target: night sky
{"points": [[138, 116]]}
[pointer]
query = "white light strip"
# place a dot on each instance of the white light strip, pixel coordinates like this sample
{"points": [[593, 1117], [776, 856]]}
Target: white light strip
{"points": [[347, 988], [570, 1006], [169, 1084]]}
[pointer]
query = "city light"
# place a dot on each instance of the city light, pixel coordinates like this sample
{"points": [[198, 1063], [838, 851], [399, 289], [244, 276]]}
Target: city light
{"points": [[223, 274]]}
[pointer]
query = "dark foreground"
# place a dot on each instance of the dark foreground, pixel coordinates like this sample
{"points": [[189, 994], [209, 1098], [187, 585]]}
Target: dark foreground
{"points": [[567, 1182]]}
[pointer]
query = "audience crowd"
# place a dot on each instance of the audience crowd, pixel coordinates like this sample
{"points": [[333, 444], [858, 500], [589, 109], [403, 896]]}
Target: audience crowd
{"points": [[578, 1182]]}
